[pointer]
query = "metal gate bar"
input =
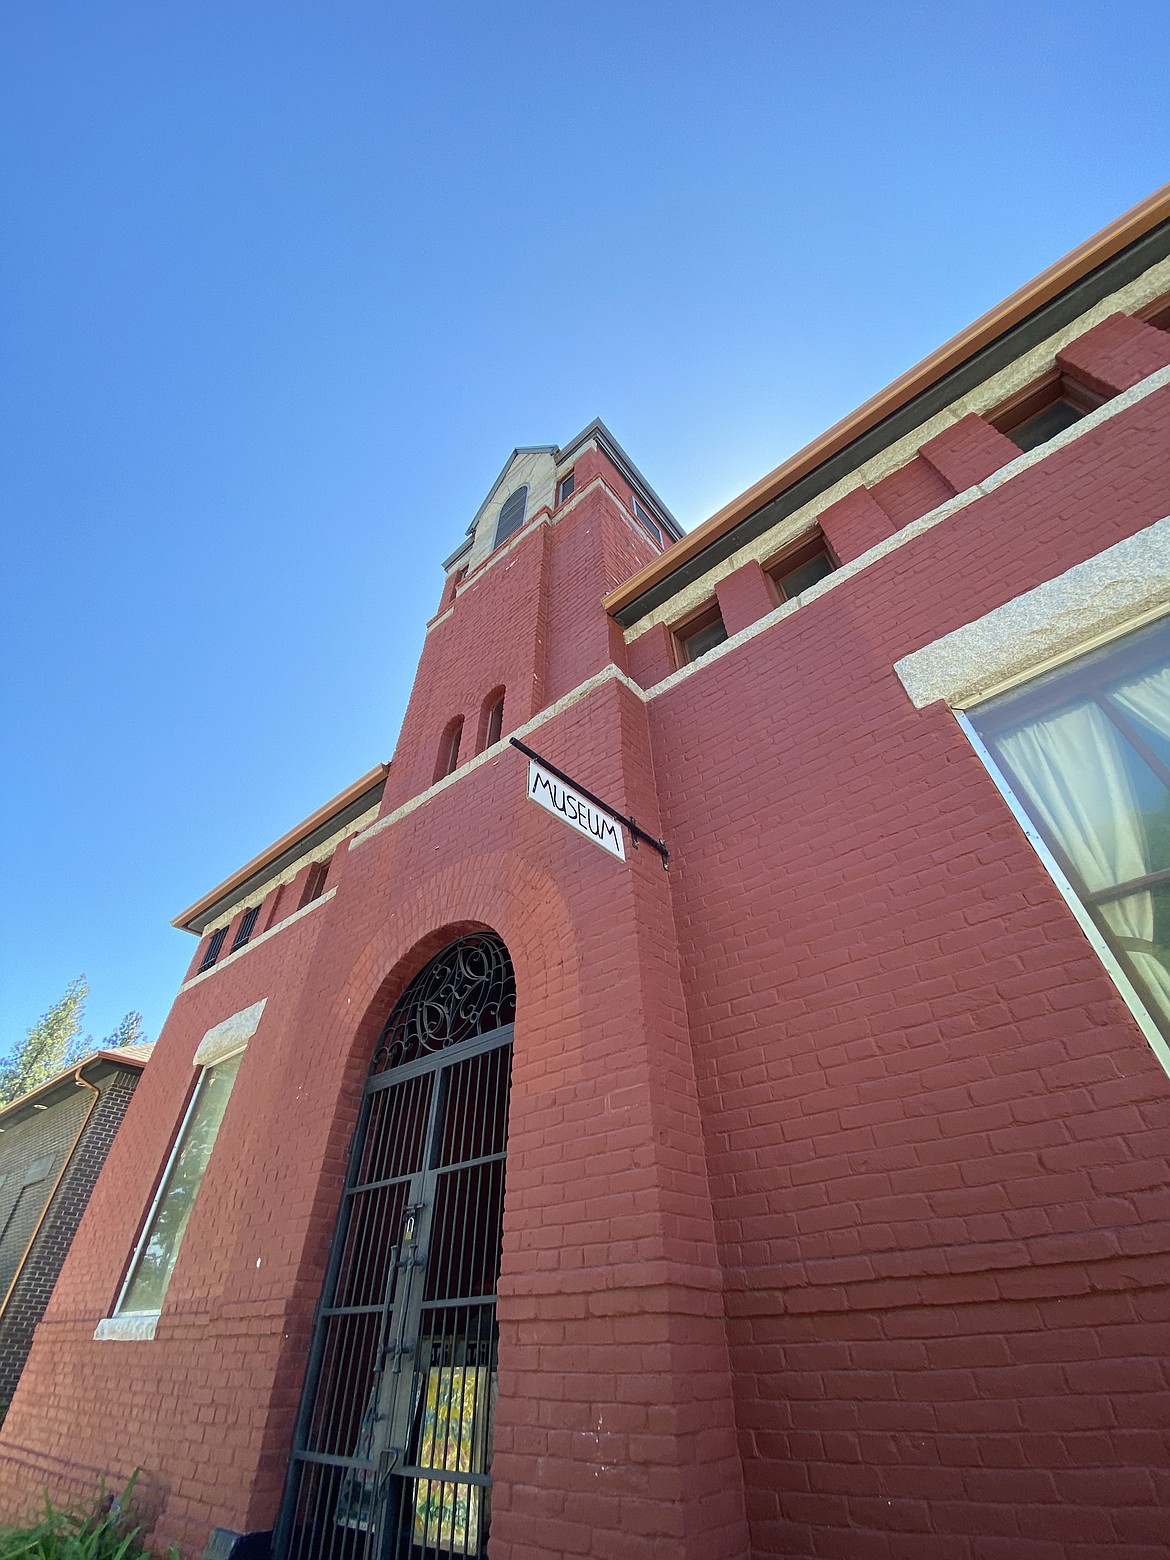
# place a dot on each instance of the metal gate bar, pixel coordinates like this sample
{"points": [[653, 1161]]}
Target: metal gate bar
{"points": [[392, 1450]]}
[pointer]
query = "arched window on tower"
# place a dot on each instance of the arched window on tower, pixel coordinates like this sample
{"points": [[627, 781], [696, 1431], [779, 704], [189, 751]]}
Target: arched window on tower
{"points": [[511, 515], [491, 720], [448, 760]]}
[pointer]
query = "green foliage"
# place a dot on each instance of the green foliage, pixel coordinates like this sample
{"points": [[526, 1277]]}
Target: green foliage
{"points": [[127, 1032], [55, 1042], [103, 1533]]}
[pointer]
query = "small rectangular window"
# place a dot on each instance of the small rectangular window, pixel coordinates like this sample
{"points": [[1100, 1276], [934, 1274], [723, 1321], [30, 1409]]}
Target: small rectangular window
{"points": [[166, 1224], [796, 571], [212, 951], [700, 635], [1086, 752], [1157, 313], [1044, 409], [246, 927], [565, 487], [645, 520]]}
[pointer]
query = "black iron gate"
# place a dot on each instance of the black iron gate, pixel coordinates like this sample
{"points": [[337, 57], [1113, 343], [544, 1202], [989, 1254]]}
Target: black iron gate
{"points": [[392, 1450]]}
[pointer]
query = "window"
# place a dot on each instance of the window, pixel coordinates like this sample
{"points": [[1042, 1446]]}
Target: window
{"points": [[1157, 313], [212, 951], [154, 1257], [796, 571], [1086, 752], [246, 927], [1044, 409], [565, 487], [511, 515], [448, 760], [645, 520], [315, 882], [491, 726], [701, 634]]}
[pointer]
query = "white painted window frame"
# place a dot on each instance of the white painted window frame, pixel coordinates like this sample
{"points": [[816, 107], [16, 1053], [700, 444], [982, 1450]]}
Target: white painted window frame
{"points": [[164, 1178], [141, 1324]]}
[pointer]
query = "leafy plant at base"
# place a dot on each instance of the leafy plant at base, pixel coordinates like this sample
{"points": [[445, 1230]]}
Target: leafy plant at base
{"points": [[71, 1533]]}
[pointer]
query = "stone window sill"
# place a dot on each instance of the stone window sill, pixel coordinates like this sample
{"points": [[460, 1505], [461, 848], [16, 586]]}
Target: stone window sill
{"points": [[127, 1329]]}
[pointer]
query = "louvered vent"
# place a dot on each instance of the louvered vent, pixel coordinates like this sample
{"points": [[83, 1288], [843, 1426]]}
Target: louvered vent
{"points": [[512, 514]]}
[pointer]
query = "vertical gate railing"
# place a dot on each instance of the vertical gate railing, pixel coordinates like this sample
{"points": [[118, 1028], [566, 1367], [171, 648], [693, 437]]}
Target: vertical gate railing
{"points": [[392, 1448]]}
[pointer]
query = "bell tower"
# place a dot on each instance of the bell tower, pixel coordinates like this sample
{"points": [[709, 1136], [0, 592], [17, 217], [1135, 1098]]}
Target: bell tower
{"points": [[520, 621]]}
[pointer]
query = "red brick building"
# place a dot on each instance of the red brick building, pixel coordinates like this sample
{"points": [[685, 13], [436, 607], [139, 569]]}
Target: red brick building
{"points": [[827, 1214]]}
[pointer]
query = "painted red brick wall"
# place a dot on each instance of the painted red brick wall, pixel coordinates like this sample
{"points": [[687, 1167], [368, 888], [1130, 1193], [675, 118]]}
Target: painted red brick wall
{"points": [[836, 1217], [913, 490], [936, 1136]]}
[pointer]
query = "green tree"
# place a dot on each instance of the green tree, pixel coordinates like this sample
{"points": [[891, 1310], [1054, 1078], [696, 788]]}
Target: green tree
{"points": [[55, 1042], [128, 1032]]}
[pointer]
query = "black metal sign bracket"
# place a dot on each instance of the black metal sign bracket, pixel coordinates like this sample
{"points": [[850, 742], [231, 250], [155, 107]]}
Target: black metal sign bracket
{"points": [[636, 833]]}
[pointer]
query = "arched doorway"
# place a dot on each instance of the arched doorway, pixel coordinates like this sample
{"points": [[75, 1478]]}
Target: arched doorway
{"points": [[392, 1448]]}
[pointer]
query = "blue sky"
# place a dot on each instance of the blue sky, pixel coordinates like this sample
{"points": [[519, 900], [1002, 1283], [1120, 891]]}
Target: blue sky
{"points": [[281, 285]]}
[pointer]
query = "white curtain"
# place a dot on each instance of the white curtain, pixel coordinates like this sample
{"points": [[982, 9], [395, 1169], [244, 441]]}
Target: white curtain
{"points": [[1149, 699], [1073, 769]]}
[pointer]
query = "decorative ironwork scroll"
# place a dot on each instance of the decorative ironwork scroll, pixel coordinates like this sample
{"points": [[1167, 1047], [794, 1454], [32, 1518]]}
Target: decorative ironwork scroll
{"points": [[469, 989]]}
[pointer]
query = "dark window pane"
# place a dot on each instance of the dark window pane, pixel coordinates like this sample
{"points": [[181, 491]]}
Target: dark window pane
{"points": [[647, 523], [567, 485], [705, 639], [214, 944], [1045, 425], [246, 928], [800, 579], [315, 882], [495, 723], [511, 515]]}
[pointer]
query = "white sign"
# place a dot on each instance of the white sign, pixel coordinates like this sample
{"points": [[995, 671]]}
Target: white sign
{"points": [[557, 797]]}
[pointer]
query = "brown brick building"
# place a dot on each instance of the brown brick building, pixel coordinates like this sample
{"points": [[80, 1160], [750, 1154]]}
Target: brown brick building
{"points": [[53, 1143], [808, 1198]]}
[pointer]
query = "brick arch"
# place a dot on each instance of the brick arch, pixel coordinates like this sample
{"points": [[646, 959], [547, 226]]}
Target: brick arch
{"points": [[499, 892]]}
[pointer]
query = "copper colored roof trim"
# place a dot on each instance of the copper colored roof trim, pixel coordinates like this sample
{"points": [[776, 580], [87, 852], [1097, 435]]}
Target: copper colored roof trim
{"points": [[1119, 234], [257, 864]]}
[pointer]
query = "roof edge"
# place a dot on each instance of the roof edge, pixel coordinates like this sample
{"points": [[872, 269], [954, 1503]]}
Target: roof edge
{"points": [[597, 430], [257, 864], [521, 449], [131, 1057], [1057, 278]]}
